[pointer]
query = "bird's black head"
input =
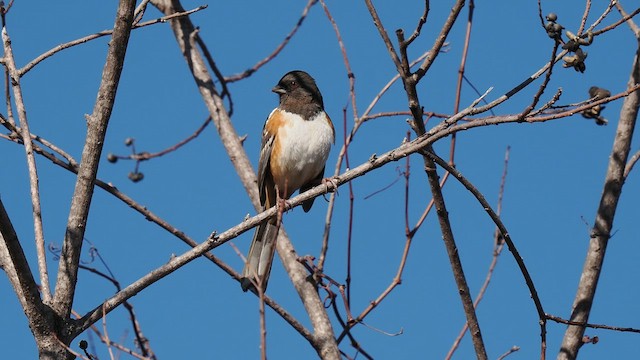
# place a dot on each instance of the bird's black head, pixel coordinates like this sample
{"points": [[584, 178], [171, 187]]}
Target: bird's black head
{"points": [[299, 94]]}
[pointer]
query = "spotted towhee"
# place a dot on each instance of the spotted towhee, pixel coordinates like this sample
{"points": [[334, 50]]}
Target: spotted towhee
{"points": [[296, 140]]}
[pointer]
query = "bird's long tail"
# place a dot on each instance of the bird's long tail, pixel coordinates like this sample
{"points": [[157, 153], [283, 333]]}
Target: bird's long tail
{"points": [[258, 266]]}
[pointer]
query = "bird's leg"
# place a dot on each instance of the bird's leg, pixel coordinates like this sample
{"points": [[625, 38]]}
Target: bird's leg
{"points": [[281, 203]]}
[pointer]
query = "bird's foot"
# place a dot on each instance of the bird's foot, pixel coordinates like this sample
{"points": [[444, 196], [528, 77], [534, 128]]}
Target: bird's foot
{"points": [[331, 184]]}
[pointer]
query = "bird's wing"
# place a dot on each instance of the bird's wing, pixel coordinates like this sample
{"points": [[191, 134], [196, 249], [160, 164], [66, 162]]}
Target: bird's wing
{"points": [[265, 180]]}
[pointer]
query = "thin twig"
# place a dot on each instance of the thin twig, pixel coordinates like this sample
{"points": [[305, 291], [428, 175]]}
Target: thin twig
{"points": [[593, 326], [139, 12], [509, 352], [148, 156], [277, 50], [383, 34], [629, 18], [604, 14], [421, 22], [440, 40], [16, 130], [31, 163], [545, 82], [106, 333], [630, 164], [625, 18], [116, 345], [583, 21], [461, 76], [100, 34], [352, 97]]}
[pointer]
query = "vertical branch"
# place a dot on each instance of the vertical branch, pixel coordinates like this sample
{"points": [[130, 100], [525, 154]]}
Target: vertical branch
{"points": [[352, 97], [96, 130], [263, 322], [463, 60], [461, 69], [345, 58], [603, 224], [25, 133]]}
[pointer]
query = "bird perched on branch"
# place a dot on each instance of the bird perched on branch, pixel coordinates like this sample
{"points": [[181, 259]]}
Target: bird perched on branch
{"points": [[296, 140]]}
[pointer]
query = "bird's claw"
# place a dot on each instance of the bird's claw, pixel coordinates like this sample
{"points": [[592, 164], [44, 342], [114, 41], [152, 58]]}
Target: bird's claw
{"points": [[334, 184]]}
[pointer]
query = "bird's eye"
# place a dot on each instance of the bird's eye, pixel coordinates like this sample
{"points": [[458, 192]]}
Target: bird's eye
{"points": [[293, 83]]}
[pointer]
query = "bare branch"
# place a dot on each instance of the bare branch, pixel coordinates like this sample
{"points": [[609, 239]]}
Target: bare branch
{"points": [[509, 352], [385, 37], [440, 40], [100, 34], [150, 216], [593, 326], [31, 160], [142, 156], [277, 50], [96, 131], [625, 18], [14, 263], [630, 164], [583, 21], [454, 258], [603, 223], [510, 244], [497, 250]]}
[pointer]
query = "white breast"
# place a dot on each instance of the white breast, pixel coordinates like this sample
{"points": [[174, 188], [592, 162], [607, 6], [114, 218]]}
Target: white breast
{"points": [[305, 146]]}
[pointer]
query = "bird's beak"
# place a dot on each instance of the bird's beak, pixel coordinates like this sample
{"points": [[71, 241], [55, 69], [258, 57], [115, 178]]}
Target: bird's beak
{"points": [[278, 90]]}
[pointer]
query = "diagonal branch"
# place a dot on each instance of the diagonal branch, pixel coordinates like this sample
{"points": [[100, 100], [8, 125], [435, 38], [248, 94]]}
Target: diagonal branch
{"points": [[277, 50], [507, 239], [152, 217], [605, 215], [100, 34], [14, 263], [454, 258], [385, 37], [440, 40], [25, 133], [96, 131]]}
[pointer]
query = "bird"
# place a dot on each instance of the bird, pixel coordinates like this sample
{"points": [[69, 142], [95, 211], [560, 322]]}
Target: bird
{"points": [[296, 140]]}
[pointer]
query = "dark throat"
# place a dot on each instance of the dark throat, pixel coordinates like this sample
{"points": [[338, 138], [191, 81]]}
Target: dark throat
{"points": [[305, 106]]}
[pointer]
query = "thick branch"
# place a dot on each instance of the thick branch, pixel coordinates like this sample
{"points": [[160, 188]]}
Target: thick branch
{"points": [[603, 224], [96, 131], [14, 263]]}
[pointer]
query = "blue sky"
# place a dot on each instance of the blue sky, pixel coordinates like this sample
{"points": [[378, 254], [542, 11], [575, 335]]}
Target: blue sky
{"points": [[554, 182]]}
